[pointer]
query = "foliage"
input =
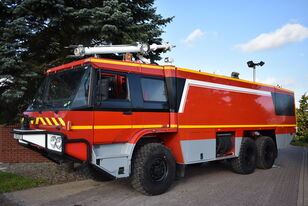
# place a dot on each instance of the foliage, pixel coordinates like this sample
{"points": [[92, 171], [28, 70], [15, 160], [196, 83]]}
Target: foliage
{"points": [[299, 143], [302, 119], [33, 34], [11, 182]]}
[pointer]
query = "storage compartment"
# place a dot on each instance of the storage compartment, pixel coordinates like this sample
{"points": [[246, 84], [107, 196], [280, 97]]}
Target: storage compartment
{"points": [[224, 143]]}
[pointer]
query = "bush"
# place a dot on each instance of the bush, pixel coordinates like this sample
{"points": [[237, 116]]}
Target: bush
{"points": [[302, 119]]}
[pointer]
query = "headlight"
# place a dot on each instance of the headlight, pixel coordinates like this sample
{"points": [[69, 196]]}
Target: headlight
{"points": [[54, 142]]}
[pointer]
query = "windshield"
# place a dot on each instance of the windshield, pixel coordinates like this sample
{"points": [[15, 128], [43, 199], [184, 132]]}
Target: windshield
{"points": [[63, 90]]}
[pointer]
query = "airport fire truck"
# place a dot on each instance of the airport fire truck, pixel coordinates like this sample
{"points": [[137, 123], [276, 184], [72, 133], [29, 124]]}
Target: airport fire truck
{"points": [[147, 122]]}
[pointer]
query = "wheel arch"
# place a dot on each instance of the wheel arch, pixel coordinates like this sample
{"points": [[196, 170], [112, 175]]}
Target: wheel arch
{"points": [[271, 134], [146, 139], [168, 139], [116, 159]]}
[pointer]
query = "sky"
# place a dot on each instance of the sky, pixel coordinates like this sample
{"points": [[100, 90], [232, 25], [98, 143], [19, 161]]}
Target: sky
{"points": [[221, 36]]}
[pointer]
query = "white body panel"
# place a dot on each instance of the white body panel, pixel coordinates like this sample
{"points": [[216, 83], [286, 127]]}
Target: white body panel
{"points": [[38, 139], [195, 151], [112, 157], [238, 142], [283, 140]]}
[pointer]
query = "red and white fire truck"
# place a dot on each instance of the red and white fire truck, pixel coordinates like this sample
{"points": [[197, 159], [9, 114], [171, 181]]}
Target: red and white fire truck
{"points": [[146, 122]]}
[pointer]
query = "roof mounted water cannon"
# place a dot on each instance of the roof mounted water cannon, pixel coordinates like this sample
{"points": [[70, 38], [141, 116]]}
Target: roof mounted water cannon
{"points": [[141, 49]]}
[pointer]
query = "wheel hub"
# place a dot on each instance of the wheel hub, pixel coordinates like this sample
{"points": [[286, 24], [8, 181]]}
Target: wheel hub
{"points": [[158, 169]]}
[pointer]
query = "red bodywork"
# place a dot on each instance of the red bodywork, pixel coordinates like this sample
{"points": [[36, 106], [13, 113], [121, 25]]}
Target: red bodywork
{"points": [[206, 112]]}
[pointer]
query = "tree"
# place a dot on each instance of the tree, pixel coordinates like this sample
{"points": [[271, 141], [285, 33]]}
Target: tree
{"points": [[33, 34], [302, 119]]}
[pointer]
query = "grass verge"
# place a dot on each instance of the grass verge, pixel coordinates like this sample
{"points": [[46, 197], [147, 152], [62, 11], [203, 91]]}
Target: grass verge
{"points": [[299, 143], [11, 182]]}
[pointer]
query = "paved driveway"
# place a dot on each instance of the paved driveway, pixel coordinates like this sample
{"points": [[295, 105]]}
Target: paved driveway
{"points": [[209, 184]]}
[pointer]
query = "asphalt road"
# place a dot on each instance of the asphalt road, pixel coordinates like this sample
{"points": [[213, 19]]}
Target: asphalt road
{"points": [[208, 184]]}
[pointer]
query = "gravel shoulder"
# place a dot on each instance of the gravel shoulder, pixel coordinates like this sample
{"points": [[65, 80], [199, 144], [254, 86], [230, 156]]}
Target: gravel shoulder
{"points": [[50, 172]]}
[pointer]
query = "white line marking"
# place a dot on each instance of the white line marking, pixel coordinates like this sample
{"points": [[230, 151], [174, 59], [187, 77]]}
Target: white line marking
{"points": [[196, 83]]}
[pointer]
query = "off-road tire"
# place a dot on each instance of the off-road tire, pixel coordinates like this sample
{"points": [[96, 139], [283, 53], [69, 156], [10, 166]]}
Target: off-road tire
{"points": [[153, 169], [245, 163], [266, 152]]}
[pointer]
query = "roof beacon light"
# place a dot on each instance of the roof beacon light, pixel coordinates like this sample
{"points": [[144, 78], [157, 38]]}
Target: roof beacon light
{"points": [[253, 66]]}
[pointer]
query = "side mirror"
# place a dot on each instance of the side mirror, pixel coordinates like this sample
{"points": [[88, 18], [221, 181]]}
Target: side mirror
{"points": [[25, 121]]}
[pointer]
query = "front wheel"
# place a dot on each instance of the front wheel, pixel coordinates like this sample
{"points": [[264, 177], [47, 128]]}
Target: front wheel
{"points": [[153, 169]]}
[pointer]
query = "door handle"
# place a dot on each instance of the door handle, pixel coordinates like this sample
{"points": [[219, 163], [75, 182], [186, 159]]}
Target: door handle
{"points": [[127, 112]]}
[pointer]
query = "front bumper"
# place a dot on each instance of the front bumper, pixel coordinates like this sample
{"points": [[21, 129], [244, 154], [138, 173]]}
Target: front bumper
{"points": [[40, 141]]}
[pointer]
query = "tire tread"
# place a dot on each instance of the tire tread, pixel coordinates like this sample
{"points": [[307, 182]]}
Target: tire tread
{"points": [[260, 144], [140, 158], [237, 163]]}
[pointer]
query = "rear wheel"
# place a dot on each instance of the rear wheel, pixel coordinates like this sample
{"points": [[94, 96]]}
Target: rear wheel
{"points": [[266, 152], [245, 163], [153, 169]]}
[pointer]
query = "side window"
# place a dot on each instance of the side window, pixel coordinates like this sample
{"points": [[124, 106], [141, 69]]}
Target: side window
{"points": [[153, 90], [112, 87], [284, 104]]}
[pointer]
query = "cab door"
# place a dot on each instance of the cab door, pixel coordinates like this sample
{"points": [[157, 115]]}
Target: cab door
{"points": [[113, 108], [150, 102]]}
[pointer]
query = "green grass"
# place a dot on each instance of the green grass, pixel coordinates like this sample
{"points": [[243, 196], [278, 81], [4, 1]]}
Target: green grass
{"points": [[11, 182], [299, 143]]}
